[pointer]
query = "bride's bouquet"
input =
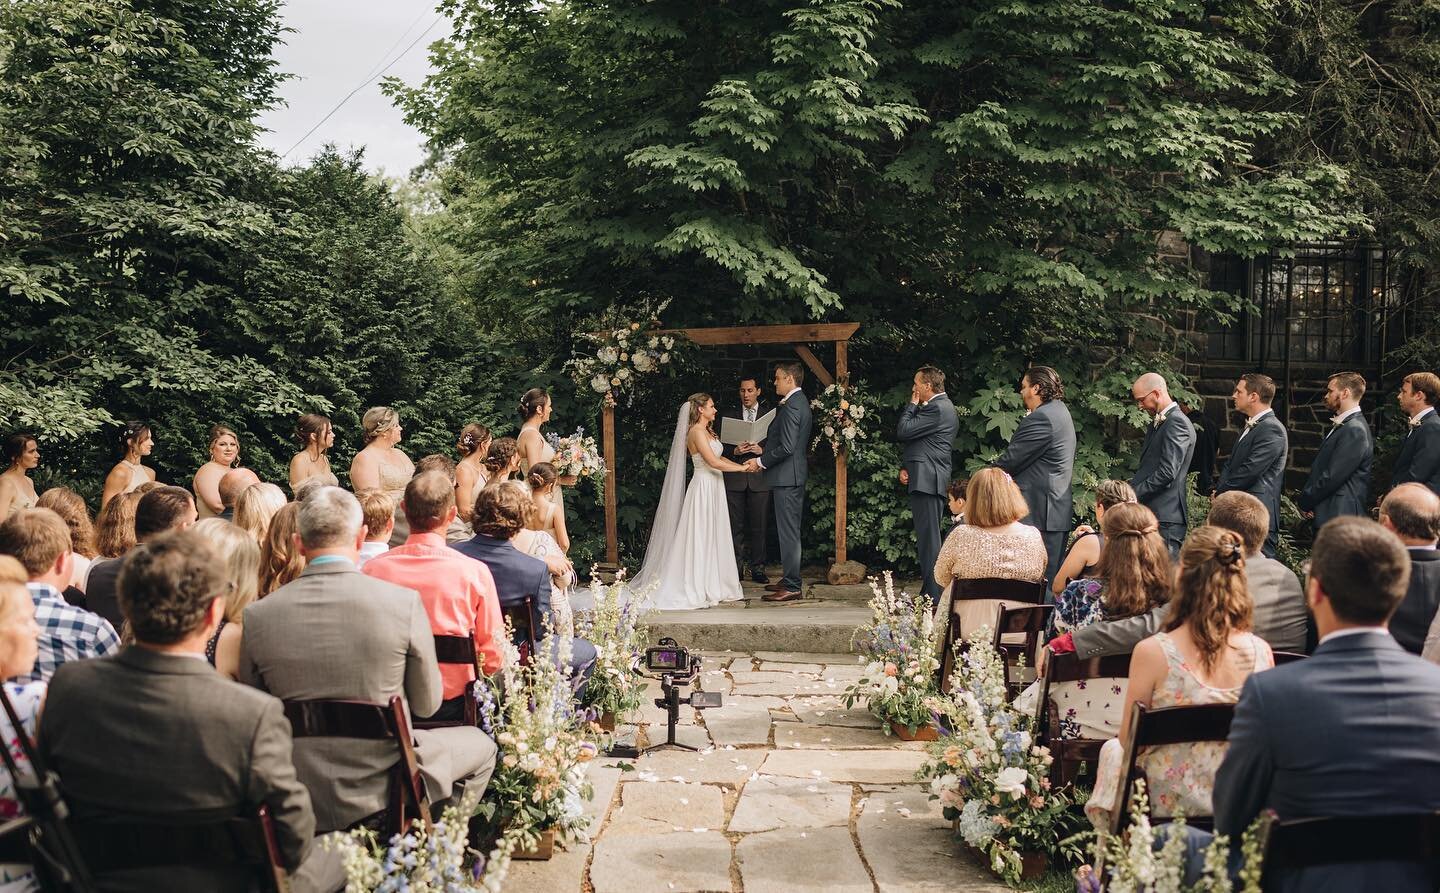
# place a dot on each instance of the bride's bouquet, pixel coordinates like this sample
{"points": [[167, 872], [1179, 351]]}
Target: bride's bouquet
{"points": [[577, 455]]}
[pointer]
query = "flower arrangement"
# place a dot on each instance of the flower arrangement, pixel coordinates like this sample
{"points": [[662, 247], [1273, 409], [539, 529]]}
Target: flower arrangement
{"points": [[577, 455], [419, 861], [842, 416], [900, 649], [616, 627], [620, 353], [990, 777]]}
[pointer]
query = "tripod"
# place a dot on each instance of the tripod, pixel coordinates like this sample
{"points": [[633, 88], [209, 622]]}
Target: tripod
{"points": [[670, 684]]}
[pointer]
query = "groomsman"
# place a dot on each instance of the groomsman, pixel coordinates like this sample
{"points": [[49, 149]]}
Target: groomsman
{"points": [[1159, 481], [927, 429], [1420, 456], [1257, 463], [1339, 482], [1041, 459], [747, 495]]}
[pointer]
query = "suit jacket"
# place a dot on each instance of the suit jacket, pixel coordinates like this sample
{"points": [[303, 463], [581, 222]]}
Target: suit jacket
{"points": [[1411, 621], [1206, 446], [100, 590], [1420, 454], [1041, 459], [784, 458], [1339, 481], [1159, 480], [1353, 730], [336, 633], [516, 574], [140, 736], [739, 480], [928, 435], [1257, 465]]}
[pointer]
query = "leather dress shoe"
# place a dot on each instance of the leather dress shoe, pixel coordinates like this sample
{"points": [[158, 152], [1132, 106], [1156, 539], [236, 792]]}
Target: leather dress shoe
{"points": [[783, 595], [777, 587], [758, 575]]}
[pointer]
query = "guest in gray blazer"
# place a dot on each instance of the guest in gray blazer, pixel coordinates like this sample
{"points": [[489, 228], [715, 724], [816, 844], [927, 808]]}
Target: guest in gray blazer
{"points": [[335, 633], [927, 431], [1339, 481], [153, 733], [1412, 513], [1041, 459], [1257, 461], [1354, 730], [1165, 456]]}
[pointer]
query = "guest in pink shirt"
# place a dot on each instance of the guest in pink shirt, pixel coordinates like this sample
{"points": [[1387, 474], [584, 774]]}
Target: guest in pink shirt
{"points": [[457, 591]]}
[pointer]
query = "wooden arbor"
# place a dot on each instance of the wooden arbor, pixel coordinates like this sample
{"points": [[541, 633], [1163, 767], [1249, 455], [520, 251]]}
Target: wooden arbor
{"points": [[799, 337]]}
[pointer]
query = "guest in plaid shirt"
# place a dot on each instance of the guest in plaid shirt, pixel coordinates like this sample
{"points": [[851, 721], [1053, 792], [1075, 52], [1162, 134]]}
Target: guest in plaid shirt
{"points": [[39, 539]]}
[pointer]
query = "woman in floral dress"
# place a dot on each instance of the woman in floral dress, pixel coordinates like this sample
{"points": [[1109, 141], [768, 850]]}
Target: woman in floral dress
{"points": [[18, 648]]}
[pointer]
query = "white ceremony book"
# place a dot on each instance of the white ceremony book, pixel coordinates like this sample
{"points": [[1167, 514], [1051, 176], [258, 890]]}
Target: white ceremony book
{"points": [[738, 431]]}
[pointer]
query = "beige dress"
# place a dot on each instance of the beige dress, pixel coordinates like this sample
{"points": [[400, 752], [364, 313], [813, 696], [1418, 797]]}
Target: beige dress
{"points": [[540, 546], [137, 476], [1013, 552], [394, 477], [547, 453]]}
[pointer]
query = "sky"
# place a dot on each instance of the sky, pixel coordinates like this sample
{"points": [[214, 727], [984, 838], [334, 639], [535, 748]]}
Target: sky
{"points": [[336, 46]]}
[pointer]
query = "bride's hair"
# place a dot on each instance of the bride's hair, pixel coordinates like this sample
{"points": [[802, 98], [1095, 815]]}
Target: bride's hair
{"points": [[697, 402]]}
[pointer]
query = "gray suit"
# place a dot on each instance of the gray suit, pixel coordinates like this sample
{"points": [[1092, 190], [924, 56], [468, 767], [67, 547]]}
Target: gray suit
{"points": [[1419, 459], [786, 471], [1041, 459], [1354, 730], [144, 736], [747, 497], [336, 633], [1257, 467], [928, 435], [1159, 480], [1339, 481]]}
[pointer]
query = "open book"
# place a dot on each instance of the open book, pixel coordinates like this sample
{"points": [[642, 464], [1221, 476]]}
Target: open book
{"points": [[738, 431]]}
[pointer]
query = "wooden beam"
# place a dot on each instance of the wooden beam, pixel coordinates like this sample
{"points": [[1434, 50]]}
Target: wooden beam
{"points": [[821, 373], [809, 332], [612, 525], [842, 471]]}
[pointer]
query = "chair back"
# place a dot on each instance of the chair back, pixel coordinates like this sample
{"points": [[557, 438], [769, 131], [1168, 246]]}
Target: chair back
{"points": [[1021, 591], [1072, 754], [459, 650], [371, 722], [527, 628], [1030, 622], [1287, 657], [243, 844], [1307, 843], [1160, 726]]}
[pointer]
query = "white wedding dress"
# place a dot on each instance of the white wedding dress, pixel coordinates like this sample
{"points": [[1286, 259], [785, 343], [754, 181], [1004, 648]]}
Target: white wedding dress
{"points": [[690, 560]]}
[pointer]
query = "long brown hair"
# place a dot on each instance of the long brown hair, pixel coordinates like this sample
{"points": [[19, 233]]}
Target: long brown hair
{"points": [[71, 507], [115, 528], [280, 560], [1134, 565], [1213, 598]]}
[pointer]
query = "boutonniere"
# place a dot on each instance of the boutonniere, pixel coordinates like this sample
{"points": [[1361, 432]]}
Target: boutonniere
{"points": [[1415, 421]]}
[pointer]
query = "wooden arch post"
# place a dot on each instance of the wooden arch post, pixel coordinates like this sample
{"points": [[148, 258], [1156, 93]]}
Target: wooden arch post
{"points": [[800, 337]]}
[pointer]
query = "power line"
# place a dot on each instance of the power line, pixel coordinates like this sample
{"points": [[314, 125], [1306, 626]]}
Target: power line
{"points": [[403, 34]]}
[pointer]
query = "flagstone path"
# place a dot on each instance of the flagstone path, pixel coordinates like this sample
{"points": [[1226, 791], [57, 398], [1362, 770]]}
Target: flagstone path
{"points": [[792, 792]]}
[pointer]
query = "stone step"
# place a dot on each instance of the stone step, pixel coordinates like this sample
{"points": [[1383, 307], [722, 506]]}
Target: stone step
{"points": [[808, 625]]}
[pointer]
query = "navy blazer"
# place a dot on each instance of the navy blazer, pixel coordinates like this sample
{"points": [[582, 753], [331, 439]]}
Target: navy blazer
{"points": [[516, 574], [787, 442], [1257, 465], [1420, 455], [1041, 459], [1353, 730], [1339, 481], [1411, 621], [1159, 480], [928, 435]]}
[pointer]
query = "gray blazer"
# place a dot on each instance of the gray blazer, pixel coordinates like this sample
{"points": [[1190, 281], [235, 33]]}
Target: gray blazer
{"points": [[1165, 456], [739, 480], [336, 633], [928, 435], [784, 458], [1257, 465], [1339, 481], [1041, 459], [1353, 730], [142, 735], [1419, 458]]}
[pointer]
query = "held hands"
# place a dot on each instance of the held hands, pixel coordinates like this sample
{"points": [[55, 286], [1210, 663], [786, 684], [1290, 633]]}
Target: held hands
{"points": [[753, 466]]}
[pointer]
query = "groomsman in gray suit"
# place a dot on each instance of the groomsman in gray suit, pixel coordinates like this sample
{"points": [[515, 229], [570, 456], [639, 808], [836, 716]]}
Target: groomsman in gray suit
{"points": [[1419, 460], [1339, 482], [1041, 459], [786, 470], [927, 429], [1257, 462], [1159, 481]]}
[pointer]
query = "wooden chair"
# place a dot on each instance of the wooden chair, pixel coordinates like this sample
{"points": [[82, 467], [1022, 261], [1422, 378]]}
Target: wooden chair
{"points": [[1157, 727], [242, 845], [371, 722], [527, 627], [982, 588], [1072, 753], [1307, 843], [1287, 657], [458, 650], [1030, 622]]}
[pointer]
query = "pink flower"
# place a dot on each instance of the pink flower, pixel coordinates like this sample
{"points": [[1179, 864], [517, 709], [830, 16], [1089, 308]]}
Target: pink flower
{"points": [[891, 670]]}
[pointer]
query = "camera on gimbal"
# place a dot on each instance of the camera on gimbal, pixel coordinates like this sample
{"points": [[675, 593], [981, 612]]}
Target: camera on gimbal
{"points": [[676, 667]]}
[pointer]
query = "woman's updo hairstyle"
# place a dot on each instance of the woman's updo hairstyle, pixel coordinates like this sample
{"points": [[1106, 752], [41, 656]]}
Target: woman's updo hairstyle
{"points": [[132, 435], [533, 403], [498, 457], [312, 427], [697, 403], [541, 475], [378, 421], [472, 437], [15, 446], [1213, 595], [1110, 493]]}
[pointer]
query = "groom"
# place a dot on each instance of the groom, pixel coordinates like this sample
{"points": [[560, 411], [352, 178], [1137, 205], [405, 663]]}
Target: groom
{"points": [[785, 470]]}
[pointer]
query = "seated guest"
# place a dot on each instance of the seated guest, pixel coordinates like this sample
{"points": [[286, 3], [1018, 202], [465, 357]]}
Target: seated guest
{"points": [[159, 511], [232, 484], [458, 530], [154, 734], [1352, 730], [255, 506], [499, 515], [335, 633], [1084, 553], [41, 543], [115, 527], [1412, 512], [991, 543], [548, 516], [280, 559], [305, 488], [1279, 614], [1203, 656], [955, 500], [541, 545], [379, 510], [71, 508], [458, 592], [18, 649], [240, 556]]}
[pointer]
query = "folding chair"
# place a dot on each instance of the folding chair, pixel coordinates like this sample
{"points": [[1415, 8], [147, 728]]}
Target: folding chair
{"points": [[1287, 657], [1030, 622], [527, 628], [459, 650], [1072, 753], [242, 845], [982, 588], [1312, 842], [1162, 726]]}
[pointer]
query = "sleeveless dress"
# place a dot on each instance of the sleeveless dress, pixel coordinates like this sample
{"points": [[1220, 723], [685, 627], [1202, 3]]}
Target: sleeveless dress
{"points": [[214, 642], [393, 481], [543, 545], [700, 569], [547, 454], [1180, 778], [137, 475]]}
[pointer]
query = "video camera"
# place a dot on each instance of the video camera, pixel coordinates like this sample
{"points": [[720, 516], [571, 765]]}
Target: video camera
{"points": [[676, 667]]}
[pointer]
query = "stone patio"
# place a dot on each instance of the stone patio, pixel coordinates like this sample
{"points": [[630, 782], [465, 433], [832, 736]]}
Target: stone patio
{"points": [[792, 793]]}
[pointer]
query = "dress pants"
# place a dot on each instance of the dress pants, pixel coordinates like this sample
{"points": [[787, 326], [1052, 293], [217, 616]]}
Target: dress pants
{"points": [[926, 509], [789, 507], [749, 523], [1055, 549], [1173, 533]]}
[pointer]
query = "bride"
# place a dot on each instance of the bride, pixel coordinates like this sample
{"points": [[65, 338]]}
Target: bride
{"points": [[690, 560]]}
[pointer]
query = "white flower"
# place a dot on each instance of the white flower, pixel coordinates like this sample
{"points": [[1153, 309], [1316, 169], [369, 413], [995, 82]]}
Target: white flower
{"points": [[976, 828], [622, 373], [668, 342], [608, 355], [664, 358], [653, 342], [1012, 781], [600, 384], [829, 431]]}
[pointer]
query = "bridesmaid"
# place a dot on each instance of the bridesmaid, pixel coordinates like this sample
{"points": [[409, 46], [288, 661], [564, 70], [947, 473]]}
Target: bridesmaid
{"points": [[17, 491], [470, 475], [316, 436], [224, 454], [535, 411], [382, 466], [130, 472], [546, 517], [501, 461]]}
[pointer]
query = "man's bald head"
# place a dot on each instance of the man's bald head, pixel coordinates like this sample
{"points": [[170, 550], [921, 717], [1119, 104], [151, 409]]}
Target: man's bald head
{"points": [[1150, 381], [234, 483], [1151, 393], [1412, 511]]}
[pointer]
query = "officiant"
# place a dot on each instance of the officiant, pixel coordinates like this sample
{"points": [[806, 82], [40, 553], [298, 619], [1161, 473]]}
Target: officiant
{"points": [[747, 495]]}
